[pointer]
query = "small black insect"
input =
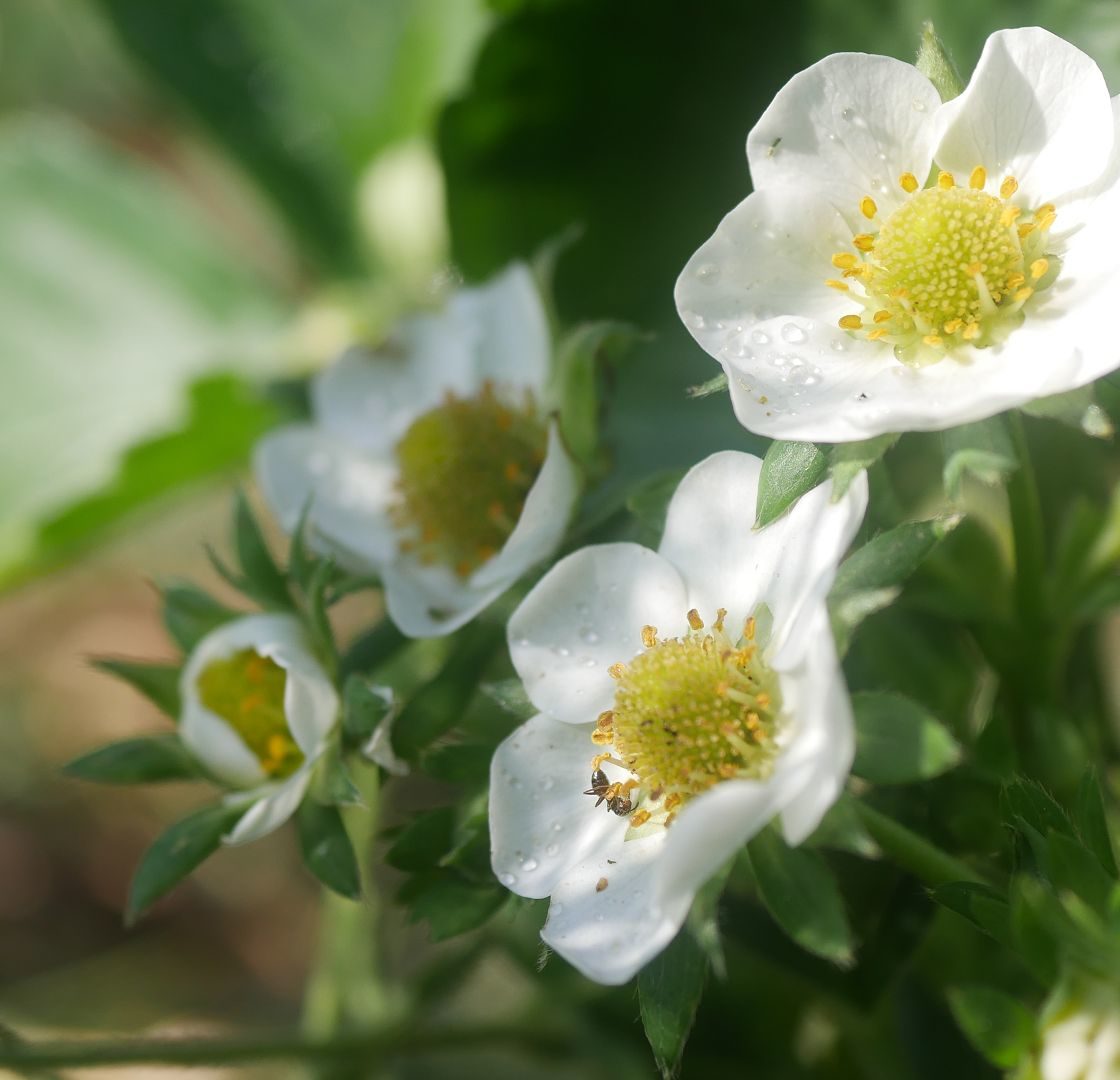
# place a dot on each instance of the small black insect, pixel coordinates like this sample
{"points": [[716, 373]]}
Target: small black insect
{"points": [[608, 793]]}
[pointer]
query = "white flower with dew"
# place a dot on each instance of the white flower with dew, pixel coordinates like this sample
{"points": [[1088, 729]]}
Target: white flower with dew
{"points": [[694, 691], [1081, 1035], [432, 460], [257, 711], [905, 264]]}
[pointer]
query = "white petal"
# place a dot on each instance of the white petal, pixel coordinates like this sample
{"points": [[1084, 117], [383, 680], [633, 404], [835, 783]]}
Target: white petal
{"points": [[541, 823], [789, 564], [543, 520], [585, 614], [610, 934], [271, 811], [509, 328], [821, 738], [852, 124], [347, 491], [310, 703], [210, 739], [429, 601], [769, 257], [1036, 108]]}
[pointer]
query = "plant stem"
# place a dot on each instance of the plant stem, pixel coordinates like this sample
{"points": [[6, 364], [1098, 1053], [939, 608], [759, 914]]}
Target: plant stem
{"points": [[912, 852], [1029, 536], [368, 1047]]}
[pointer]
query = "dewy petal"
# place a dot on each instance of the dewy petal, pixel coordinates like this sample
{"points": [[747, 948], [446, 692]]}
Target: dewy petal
{"points": [[585, 614], [541, 823], [789, 564], [851, 125], [347, 492], [1036, 108], [544, 517], [272, 809], [610, 932], [821, 737], [429, 601], [769, 257], [509, 329]]}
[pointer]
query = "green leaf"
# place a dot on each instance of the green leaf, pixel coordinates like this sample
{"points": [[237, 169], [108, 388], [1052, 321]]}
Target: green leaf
{"points": [[263, 579], [375, 647], [136, 761], [190, 614], [649, 500], [789, 470], [167, 305], [579, 358], [1092, 821], [1028, 803], [983, 906], [898, 741], [983, 449], [424, 841], [319, 624], [994, 1022], [450, 904], [181, 849], [509, 695], [327, 851], [800, 892], [669, 990], [331, 783], [935, 64], [159, 683], [703, 919], [842, 830], [1076, 409], [458, 763], [364, 706], [1071, 866], [847, 460]]}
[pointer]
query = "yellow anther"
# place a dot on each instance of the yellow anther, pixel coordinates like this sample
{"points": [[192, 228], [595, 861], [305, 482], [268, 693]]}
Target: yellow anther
{"points": [[855, 271], [605, 720], [864, 241], [844, 260], [867, 207], [1008, 188], [878, 333], [842, 286], [601, 738], [672, 800], [638, 819], [598, 759], [1015, 280], [908, 182], [850, 322], [616, 671], [1024, 294], [882, 315], [694, 619], [971, 332], [749, 628], [933, 339], [721, 614], [601, 884], [945, 180], [1009, 215], [978, 178], [1045, 219], [649, 636], [763, 700], [1039, 267], [1026, 229], [953, 325]]}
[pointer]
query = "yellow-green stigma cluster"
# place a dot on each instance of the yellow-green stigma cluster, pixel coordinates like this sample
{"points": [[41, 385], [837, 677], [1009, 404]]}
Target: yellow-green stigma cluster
{"points": [[247, 691], [950, 266], [466, 468], [688, 713]]}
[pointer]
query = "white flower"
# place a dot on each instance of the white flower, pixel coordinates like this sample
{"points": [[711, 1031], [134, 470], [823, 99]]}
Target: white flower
{"points": [[849, 295], [257, 709], [432, 460], [1081, 1040], [702, 681]]}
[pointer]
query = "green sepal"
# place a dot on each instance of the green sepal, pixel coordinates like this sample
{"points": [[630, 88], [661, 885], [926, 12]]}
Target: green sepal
{"points": [[994, 1022], [424, 841], [841, 829], [364, 707], [190, 614], [327, 850], [984, 907], [159, 683], [670, 987], [934, 62], [450, 904], [1092, 822], [899, 741], [649, 500], [789, 470], [984, 450], [331, 783], [177, 852], [509, 695], [717, 384], [847, 460], [145, 760], [263, 580]]}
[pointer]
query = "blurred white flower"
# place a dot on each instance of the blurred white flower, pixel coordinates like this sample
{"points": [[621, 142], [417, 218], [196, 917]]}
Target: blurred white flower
{"points": [[432, 460], [257, 709], [695, 691], [904, 264], [1081, 1040]]}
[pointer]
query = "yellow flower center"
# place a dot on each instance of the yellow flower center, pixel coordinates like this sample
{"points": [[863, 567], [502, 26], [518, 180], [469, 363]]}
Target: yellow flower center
{"points": [[466, 468], [688, 713], [247, 691], [950, 266]]}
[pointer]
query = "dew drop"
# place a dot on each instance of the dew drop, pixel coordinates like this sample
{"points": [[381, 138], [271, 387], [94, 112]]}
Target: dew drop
{"points": [[918, 105], [588, 661], [695, 320], [707, 271], [588, 636], [555, 908], [560, 650], [529, 865], [760, 337], [793, 333], [508, 880], [837, 345], [552, 849], [557, 826], [847, 114]]}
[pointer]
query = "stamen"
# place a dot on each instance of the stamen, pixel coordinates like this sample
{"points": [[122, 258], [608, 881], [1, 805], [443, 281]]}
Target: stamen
{"points": [[616, 671], [978, 178], [841, 286], [844, 260], [601, 738], [945, 180], [850, 322], [882, 315], [694, 619], [649, 636], [867, 207], [864, 241], [605, 719], [908, 182], [1008, 188], [1039, 267]]}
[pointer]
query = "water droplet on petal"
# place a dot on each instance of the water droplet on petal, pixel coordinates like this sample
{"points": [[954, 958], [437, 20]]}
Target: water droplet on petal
{"points": [[760, 337], [508, 880], [589, 636], [552, 849], [918, 105], [793, 333], [529, 865], [707, 271], [588, 661]]}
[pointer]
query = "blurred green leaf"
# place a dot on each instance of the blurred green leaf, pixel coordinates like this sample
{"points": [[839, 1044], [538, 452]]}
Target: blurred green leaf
{"points": [[1092, 822], [800, 892], [143, 760], [190, 614], [669, 990], [509, 695], [983, 449], [423, 841], [649, 500], [982, 905], [995, 1023], [1071, 866], [1028, 803], [263, 579], [364, 706], [458, 763], [847, 460], [159, 683], [1074, 408], [327, 851], [842, 830], [451, 905], [331, 783], [789, 470], [181, 849], [898, 741], [118, 296]]}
